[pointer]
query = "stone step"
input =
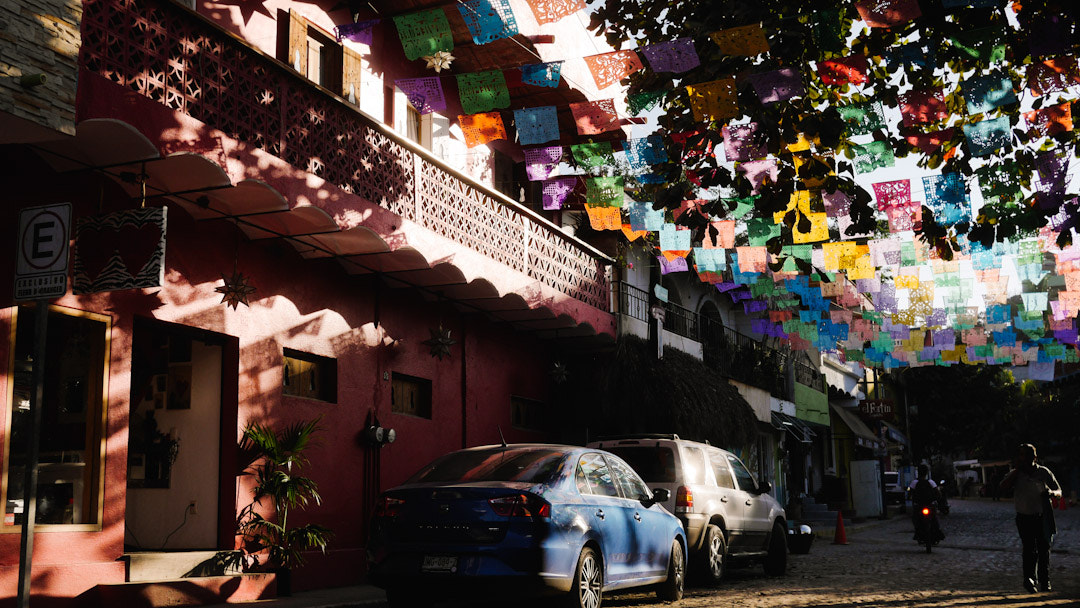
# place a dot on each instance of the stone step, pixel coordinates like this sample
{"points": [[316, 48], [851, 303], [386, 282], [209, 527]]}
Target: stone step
{"points": [[194, 591], [171, 565]]}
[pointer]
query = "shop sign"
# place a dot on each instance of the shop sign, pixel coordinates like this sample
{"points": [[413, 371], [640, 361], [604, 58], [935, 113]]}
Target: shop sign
{"points": [[120, 250], [42, 257], [877, 408]]}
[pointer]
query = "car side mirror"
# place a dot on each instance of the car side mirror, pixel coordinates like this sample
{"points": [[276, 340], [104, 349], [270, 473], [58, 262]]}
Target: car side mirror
{"points": [[763, 487], [661, 495]]}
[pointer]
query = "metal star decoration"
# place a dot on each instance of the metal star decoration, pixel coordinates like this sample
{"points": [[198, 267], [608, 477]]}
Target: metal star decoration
{"points": [[236, 289], [559, 372], [440, 342], [439, 61]]}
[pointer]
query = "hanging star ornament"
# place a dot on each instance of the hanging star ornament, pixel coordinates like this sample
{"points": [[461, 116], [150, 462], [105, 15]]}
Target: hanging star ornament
{"points": [[440, 342], [559, 372], [236, 290], [439, 61]]}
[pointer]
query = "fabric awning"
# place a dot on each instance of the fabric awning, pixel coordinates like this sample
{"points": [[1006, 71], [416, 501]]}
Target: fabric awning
{"points": [[798, 429], [893, 434], [863, 435]]}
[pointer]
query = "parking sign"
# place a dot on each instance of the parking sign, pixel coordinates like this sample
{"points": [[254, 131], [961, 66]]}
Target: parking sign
{"points": [[42, 257]]}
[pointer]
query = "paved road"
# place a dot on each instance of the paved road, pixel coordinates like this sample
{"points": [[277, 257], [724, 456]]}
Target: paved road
{"points": [[978, 564]]}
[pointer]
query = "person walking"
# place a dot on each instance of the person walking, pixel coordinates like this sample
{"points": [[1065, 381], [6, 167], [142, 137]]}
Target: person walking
{"points": [[1032, 486]]}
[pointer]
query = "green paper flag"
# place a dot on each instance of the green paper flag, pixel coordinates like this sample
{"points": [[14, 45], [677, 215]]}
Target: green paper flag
{"points": [[760, 230], [984, 44], [863, 118], [640, 102], [594, 155], [604, 191], [482, 91], [828, 31], [425, 33]]}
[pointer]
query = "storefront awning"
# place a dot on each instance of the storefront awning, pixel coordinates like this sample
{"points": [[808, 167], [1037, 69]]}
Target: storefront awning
{"points": [[798, 429], [864, 437], [893, 434]]}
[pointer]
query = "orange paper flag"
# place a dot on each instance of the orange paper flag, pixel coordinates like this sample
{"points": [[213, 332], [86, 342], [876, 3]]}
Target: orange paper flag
{"points": [[482, 128]]}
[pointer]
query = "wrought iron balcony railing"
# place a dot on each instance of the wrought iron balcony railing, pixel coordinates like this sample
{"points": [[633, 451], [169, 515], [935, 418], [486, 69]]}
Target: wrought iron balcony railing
{"points": [[186, 63]]}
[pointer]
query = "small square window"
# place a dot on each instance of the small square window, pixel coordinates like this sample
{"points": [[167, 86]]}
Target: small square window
{"points": [[527, 414], [309, 376], [410, 395]]}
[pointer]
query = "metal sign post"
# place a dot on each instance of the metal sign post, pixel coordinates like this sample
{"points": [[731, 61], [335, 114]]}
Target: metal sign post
{"points": [[30, 475], [40, 275]]}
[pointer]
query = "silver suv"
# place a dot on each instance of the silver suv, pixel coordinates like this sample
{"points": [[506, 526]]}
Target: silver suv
{"points": [[727, 514]]}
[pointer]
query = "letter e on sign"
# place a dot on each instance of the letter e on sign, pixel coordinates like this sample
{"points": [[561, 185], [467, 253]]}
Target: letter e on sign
{"points": [[42, 257]]}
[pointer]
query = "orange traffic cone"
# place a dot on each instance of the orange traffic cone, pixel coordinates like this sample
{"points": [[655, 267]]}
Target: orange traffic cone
{"points": [[840, 538]]}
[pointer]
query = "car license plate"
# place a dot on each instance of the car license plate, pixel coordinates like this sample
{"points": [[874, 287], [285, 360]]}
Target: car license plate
{"points": [[439, 563]]}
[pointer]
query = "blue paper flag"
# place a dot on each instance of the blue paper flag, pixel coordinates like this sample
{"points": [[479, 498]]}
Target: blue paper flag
{"points": [[488, 20], [987, 136], [946, 195], [645, 151], [674, 239], [542, 74], [988, 92], [536, 125]]}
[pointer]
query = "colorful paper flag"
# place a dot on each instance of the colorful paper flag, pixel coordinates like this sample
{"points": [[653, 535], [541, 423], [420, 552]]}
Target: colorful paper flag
{"points": [[922, 107], [604, 191], [743, 41], [482, 128], [424, 33], [482, 91], [644, 152], [891, 194], [488, 20], [424, 94], [359, 32], [550, 11], [863, 118], [987, 92], [673, 56], [716, 100], [541, 162], [542, 74], [590, 156], [887, 13], [778, 85], [536, 125], [609, 68], [846, 70], [987, 136], [594, 117], [1051, 120], [874, 155], [555, 191], [739, 143]]}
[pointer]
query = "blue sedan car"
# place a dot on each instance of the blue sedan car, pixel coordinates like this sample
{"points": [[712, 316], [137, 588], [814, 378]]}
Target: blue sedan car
{"points": [[559, 519]]}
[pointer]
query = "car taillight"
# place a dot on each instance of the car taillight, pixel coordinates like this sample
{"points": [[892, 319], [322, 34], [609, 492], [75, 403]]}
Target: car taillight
{"points": [[684, 500], [521, 505], [388, 506], [926, 511]]}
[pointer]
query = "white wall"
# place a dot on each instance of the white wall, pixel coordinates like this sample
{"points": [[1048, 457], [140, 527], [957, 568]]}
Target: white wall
{"points": [[152, 513]]}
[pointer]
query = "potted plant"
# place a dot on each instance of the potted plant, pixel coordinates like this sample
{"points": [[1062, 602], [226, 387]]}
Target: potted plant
{"points": [[274, 458]]}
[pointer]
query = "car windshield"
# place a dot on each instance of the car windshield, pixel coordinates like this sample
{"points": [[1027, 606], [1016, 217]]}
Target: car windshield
{"points": [[655, 465], [532, 465]]}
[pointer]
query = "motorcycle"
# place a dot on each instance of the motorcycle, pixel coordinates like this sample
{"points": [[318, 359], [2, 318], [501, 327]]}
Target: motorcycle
{"points": [[927, 530]]}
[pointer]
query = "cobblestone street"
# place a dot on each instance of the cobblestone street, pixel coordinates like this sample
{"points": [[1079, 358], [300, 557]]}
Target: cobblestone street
{"points": [[978, 564]]}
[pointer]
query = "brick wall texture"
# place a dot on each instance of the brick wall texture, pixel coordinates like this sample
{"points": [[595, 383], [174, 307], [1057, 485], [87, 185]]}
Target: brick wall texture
{"points": [[40, 37]]}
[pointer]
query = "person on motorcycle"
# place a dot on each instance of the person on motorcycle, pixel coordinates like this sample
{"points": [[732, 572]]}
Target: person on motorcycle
{"points": [[925, 493]]}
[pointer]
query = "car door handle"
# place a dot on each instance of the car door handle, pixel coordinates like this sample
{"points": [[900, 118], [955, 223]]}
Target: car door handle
{"points": [[723, 499], [749, 502], [637, 516], [600, 513]]}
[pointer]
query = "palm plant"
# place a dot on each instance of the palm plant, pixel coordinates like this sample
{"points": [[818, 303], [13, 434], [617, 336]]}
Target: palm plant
{"points": [[274, 458]]}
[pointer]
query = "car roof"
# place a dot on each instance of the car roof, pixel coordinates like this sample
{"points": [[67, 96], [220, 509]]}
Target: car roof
{"points": [[647, 439]]}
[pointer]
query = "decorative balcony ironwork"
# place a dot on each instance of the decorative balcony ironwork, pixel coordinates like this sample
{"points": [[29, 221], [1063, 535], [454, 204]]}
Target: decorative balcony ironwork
{"points": [[186, 63]]}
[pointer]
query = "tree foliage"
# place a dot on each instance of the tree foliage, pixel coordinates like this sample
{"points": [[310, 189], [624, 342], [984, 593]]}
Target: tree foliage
{"points": [[957, 44]]}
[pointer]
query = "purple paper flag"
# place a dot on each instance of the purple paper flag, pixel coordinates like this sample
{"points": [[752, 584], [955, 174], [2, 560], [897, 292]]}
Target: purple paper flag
{"points": [[676, 265], [757, 171], [938, 317], [837, 204], [675, 56], [778, 85], [425, 94], [556, 190], [725, 286], [356, 32], [739, 143], [540, 162], [750, 306]]}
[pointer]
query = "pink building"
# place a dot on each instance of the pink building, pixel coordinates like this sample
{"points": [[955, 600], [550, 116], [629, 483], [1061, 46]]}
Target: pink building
{"points": [[369, 232]]}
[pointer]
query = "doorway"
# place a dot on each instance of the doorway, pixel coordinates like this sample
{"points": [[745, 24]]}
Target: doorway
{"points": [[175, 438]]}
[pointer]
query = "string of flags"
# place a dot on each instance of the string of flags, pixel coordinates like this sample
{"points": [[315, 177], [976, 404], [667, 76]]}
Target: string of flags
{"points": [[880, 297]]}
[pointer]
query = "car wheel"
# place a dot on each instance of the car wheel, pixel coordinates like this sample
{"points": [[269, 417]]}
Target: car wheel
{"points": [[671, 590], [587, 588], [776, 559], [398, 597], [713, 562]]}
